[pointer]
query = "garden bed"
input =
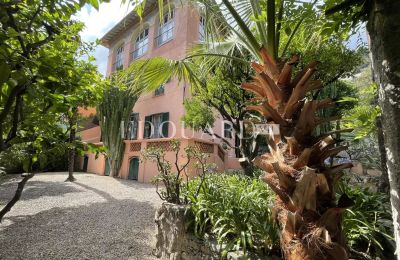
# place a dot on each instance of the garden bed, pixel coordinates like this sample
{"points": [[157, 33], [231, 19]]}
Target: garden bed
{"points": [[175, 241]]}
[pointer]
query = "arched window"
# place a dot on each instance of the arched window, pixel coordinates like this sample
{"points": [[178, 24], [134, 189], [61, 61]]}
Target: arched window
{"points": [[119, 58], [141, 44], [202, 29], [166, 30]]}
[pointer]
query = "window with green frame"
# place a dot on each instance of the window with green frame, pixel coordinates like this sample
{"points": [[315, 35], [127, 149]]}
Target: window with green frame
{"points": [[156, 126]]}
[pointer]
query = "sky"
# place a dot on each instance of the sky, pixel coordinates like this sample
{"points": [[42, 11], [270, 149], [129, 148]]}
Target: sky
{"points": [[97, 23]]}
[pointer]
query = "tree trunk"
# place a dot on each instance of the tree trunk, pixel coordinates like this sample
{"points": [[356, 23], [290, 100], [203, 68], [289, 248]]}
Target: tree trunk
{"points": [[247, 167], [71, 150], [384, 185], [17, 195], [248, 148], [384, 31]]}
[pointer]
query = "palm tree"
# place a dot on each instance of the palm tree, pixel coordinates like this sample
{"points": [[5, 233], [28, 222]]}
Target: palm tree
{"points": [[306, 208], [295, 166]]}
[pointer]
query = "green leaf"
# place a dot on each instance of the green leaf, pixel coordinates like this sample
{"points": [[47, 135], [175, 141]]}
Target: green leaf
{"points": [[12, 83], [52, 78], [11, 32], [347, 99], [5, 72], [94, 3], [288, 31]]}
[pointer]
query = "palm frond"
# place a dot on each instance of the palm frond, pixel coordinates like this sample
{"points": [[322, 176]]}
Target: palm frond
{"points": [[149, 74], [223, 53]]}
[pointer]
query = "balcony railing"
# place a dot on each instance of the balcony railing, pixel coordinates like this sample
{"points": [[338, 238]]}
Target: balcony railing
{"points": [[165, 36], [138, 53]]}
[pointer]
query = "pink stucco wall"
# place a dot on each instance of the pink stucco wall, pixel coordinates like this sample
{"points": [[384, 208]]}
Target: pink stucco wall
{"points": [[186, 31], [91, 135], [148, 169]]}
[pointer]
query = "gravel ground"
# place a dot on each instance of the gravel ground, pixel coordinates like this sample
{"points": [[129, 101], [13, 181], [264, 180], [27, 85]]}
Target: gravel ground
{"points": [[96, 217]]}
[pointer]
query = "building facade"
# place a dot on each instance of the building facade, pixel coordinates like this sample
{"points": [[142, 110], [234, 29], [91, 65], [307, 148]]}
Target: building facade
{"points": [[156, 116]]}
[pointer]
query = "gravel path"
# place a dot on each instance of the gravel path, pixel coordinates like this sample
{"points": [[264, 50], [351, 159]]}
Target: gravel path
{"points": [[96, 217]]}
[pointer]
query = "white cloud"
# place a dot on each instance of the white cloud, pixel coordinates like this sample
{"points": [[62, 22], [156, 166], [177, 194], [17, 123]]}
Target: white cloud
{"points": [[97, 23]]}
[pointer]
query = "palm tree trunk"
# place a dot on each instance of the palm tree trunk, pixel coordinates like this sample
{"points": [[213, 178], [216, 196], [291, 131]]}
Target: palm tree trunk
{"points": [[295, 166], [384, 31]]}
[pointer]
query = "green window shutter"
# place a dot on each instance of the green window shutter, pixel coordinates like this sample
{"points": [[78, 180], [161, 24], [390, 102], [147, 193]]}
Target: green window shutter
{"points": [[147, 127], [165, 118]]}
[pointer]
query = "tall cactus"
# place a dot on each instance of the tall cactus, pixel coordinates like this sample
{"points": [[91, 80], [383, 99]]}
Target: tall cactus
{"points": [[306, 208], [114, 112]]}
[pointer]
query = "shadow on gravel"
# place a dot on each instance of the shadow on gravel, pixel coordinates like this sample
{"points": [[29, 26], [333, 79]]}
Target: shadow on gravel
{"points": [[101, 193], [36, 189], [135, 184], [116, 229]]}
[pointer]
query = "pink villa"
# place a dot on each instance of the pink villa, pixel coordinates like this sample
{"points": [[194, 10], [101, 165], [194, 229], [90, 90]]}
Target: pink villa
{"points": [[132, 38]]}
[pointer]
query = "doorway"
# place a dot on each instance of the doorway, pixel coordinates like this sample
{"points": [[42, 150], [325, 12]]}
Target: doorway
{"points": [[133, 169], [85, 163]]}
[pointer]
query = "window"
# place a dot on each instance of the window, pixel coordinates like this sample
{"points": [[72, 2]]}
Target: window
{"points": [[141, 44], [202, 29], [160, 90], [166, 30], [156, 126], [227, 130], [119, 59], [132, 129]]}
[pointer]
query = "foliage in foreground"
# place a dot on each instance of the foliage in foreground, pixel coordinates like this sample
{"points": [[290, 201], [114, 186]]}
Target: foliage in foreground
{"points": [[368, 224], [171, 174], [236, 210], [53, 157]]}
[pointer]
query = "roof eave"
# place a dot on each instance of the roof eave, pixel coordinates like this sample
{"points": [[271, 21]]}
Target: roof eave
{"points": [[125, 23]]}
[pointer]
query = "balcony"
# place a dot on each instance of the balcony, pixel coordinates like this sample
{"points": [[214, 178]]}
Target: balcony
{"points": [[165, 36]]}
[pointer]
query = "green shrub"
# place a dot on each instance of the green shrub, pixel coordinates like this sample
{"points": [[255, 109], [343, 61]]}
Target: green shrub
{"points": [[171, 174], [236, 210], [11, 159], [53, 158], [368, 224]]}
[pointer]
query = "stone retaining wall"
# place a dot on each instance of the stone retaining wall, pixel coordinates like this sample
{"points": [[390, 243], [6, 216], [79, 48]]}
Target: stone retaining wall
{"points": [[172, 240]]}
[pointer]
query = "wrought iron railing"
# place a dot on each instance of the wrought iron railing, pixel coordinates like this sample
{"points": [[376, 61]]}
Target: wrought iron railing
{"points": [[160, 40], [135, 54]]}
